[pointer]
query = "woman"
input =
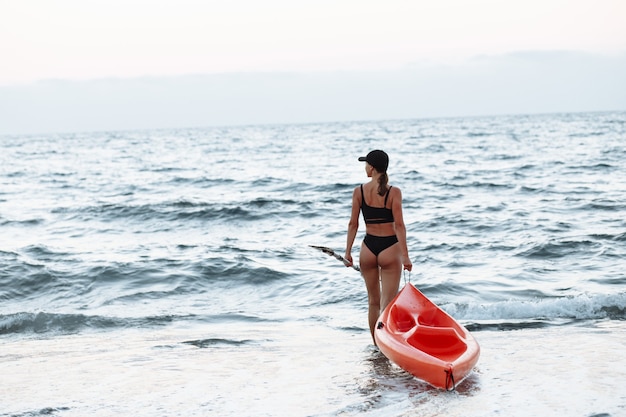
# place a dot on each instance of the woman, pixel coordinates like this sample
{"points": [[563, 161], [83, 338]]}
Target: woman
{"points": [[384, 250]]}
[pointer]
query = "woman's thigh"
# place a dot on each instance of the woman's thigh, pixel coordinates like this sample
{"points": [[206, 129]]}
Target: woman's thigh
{"points": [[370, 271], [391, 270]]}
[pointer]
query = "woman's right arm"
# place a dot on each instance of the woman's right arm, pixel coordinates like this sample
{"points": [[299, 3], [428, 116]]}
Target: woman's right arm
{"points": [[353, 226]]}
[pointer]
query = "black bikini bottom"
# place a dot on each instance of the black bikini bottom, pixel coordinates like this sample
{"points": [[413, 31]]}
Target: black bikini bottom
{"points": [[377, 244]]}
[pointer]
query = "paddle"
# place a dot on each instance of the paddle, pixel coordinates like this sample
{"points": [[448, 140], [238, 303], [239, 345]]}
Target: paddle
{"points": [[329, 251]]}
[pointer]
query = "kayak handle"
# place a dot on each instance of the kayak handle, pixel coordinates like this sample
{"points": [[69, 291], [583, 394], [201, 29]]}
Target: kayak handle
{"points": [[449, 379]]}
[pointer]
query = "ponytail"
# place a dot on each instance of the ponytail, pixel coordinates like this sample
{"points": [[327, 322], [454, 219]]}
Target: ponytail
{"points": [[383, 180]]}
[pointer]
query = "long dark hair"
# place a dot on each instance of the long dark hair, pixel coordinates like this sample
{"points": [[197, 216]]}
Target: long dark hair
{"points": [[383, 180]]}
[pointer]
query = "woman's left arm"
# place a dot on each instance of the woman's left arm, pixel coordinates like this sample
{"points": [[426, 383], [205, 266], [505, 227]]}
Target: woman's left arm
{"points": [[398, 219]]}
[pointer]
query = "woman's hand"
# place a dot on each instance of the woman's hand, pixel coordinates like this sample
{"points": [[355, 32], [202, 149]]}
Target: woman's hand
{"points": [[348, 258], [406, 261]]}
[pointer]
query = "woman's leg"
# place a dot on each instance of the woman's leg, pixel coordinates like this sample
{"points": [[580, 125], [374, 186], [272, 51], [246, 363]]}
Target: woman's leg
{"points": [[390, 263], [371, 275]]}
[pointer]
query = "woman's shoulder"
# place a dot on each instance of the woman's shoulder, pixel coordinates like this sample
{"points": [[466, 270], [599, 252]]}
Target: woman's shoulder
{"points": [[394, 191], [365, 187]]}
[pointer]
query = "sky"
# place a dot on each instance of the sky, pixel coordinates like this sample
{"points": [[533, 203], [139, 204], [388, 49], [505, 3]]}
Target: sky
{"points": [[71, 65]]}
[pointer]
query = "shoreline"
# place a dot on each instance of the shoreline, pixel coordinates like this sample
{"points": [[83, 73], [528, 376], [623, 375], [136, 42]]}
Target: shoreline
{"points": [[569, 370]]}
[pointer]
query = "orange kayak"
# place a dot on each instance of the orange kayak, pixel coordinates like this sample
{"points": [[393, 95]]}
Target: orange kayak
{"points": [[425, 341]]}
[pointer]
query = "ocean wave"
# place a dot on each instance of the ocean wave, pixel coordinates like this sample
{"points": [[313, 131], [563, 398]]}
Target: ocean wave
{"points": [[71, 323], [215, 342], [479, 134], [621, 237], [164, 279], [47, 411], [540, 312], [183, 210], [42, 323], [26, 222], [489, 185], [48, 277], [561, 248], [144, 213], [602, 205], [25, 279]]}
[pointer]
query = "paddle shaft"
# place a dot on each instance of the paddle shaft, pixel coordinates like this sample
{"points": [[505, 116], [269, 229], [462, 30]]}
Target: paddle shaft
{"points": [[332, 253]]}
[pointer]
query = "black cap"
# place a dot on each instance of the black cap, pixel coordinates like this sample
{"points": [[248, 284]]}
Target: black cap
{"points": [[378, 159]]}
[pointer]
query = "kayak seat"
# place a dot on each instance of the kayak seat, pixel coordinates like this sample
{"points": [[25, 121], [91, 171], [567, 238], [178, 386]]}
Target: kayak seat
{"points": [[441, 342], [434, 318], [400, 319]]}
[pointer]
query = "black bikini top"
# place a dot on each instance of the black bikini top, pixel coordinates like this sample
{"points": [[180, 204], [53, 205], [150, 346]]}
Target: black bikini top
{"points": [[376, 215]]}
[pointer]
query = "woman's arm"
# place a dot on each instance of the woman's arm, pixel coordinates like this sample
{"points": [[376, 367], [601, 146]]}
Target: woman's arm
{"points": [[353, 225], [398, 219]]}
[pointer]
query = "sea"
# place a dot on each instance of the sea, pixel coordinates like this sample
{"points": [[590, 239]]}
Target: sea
{"points": [[170, 273]]}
